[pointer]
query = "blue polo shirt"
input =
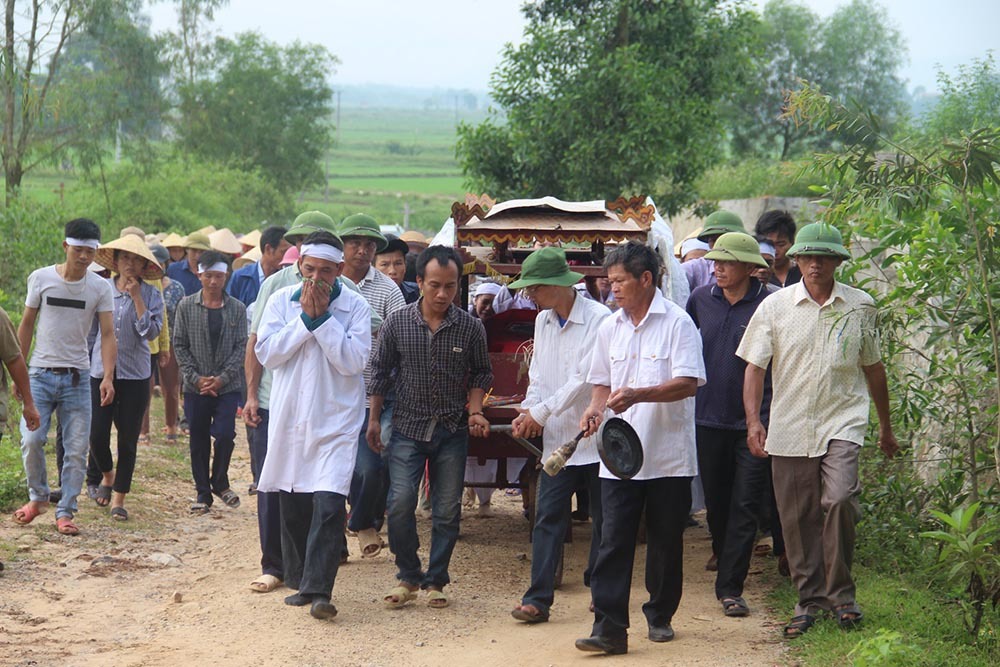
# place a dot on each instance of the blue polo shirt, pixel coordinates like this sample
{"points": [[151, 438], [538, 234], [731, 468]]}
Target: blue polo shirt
{"points": [[180, 272], [719, 402]]}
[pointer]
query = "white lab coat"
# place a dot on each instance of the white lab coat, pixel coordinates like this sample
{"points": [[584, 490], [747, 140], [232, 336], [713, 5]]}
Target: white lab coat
{"points": [[317, 395]]}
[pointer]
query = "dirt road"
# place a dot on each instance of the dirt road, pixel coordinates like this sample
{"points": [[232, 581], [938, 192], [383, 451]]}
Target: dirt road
{"points": [[168, 589]]}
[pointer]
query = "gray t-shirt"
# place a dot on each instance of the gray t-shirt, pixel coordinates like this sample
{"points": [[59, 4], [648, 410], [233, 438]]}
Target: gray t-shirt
{"points": [[66, 311]]}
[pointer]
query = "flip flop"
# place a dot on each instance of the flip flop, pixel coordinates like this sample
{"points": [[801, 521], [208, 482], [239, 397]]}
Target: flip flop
{"points": [[436, 599], [103, 493], [370, 543], [65, 525], [27, 513], [119, 514], [524, 613], [265, 583], [402, 595]]}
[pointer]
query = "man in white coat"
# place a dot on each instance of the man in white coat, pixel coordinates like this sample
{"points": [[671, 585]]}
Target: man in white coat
{"points": [[315, 337]]}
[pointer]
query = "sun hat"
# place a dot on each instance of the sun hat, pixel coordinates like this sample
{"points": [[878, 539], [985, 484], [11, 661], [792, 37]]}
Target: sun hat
{"points": [[546, 266], [736, 247], [413, 236], [197, 241], [106, 255], [394, 244], [225, 241], [249, 257], [819, 238], [309, 222], [362, 225], [134, 231], [290, 257], [207, 229], [172, 240], [251, 238], [719, 223]]}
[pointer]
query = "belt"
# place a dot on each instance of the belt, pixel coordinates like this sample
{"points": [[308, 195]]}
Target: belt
{"points": [[75, 372]]}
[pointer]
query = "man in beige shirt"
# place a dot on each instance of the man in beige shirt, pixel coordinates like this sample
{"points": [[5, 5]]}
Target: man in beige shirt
{"points": [[821, 339]]}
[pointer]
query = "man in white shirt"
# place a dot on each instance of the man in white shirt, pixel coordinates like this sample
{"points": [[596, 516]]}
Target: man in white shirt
{"points": [[64, 300], [315, 337], [557, 393], [821, 339], [646, 368]]}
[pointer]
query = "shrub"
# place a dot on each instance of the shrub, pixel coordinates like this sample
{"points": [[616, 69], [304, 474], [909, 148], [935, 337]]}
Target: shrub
{"points": [[753, 178]]}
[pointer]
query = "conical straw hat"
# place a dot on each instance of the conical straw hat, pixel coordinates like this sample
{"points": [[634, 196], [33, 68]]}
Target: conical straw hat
{"points": [[249, 257], [133, 244], [225, 241]]}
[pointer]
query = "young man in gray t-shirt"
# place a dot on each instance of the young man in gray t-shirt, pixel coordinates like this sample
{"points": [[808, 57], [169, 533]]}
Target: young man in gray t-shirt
{"points": [[63, 301]]}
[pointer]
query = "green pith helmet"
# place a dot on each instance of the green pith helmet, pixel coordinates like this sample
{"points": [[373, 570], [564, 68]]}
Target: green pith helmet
{"points": [[546, 266], [309, 222], [736, 247], [719, 223], [197, 241], [819, 238], [364, 226]]}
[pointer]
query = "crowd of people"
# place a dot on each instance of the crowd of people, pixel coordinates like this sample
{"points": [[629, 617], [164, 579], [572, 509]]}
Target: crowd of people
{"points": [[360, 382]]}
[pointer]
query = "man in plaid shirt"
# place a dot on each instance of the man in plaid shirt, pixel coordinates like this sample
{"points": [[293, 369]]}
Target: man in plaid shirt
{"points": [[434, 354]]}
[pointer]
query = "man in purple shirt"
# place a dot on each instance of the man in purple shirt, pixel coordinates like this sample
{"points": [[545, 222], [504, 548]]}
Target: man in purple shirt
{"points": [[700, 271], [733, 478]]}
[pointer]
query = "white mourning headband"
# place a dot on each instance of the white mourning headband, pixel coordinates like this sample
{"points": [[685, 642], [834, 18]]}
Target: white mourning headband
{"points": [[322, 251], [83, 243], [221, 267]]}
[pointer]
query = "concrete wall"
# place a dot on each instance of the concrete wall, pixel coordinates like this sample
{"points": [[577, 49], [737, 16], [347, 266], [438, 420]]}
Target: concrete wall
{"points": [[749, 210]]}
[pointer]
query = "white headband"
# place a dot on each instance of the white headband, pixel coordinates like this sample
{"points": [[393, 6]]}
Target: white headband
{"points": [[221, 267], [692, 244], [488, 288], [322, 251], [767, 248], [83, 243]]}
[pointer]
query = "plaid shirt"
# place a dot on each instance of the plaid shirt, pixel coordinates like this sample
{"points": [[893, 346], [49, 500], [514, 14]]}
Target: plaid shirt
{"points": [[431, 372], [193, 347]]}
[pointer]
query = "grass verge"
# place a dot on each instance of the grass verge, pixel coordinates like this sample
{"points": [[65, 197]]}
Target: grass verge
{"points": [[907, 623]]}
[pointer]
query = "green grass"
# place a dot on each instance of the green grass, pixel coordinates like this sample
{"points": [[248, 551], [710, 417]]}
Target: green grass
{"points": [[929, 627]]}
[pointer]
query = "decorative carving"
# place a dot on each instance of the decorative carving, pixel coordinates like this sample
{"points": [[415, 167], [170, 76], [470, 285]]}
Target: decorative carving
{"points": [[634, 208], [461, 213], [484, 200]]}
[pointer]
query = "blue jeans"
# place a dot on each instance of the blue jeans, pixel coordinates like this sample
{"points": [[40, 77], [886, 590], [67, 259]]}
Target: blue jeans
{"points": [[445, 454], [552, 520], [211, 417], [56, 393], [370, 483]]}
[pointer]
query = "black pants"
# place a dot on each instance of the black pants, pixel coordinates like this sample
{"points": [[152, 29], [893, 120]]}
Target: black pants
{"points": [[268, 504], [734, 482], [312, 537], [667, 501], [125, 412], [211, 417]]}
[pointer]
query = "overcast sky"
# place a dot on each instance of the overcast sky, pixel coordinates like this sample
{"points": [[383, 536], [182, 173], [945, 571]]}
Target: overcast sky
{"points": [[457, 43]]}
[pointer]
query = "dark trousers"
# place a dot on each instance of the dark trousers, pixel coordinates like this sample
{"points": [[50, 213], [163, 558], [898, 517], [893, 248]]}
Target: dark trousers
{"points": [[211, 417], [667, 501], [125, 412], [268, 504], [552, 520], [369, 486], [312, 537], [734, 481]]}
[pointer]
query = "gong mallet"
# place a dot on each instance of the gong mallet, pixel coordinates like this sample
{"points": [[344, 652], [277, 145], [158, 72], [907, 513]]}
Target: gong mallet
{"points": [[558, 459]]}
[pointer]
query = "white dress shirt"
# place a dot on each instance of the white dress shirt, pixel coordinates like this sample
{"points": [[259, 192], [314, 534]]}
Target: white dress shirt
{"points": [[663, 346], [558, 391], [317, 394]]}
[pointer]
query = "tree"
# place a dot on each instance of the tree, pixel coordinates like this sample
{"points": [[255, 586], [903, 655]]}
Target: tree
{"points": [[260, 105], [968, 101], [854, 55], [36, 35], [608, 97]]}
